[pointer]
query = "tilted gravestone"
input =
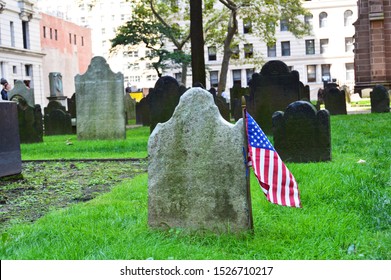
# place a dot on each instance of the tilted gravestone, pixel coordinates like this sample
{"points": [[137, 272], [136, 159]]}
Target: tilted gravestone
{"points": [[302, 134], [380, 100], [162, 100], [273, 89], [10, 156], [196, 173], [29, 114], [100, 102], [56, 120], [335, 101]]}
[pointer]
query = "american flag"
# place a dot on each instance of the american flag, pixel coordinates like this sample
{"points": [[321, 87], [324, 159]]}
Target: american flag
{"points": [[276, 181]]}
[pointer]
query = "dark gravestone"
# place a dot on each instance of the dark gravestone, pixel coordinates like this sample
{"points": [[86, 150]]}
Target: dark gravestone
{"points": [[221, 104], [162, 100], [57, 121], [30, 122], [236, 94], [142, 112], [71, 102], [302, 134], [380, 100], [335, 101], [273, 90], [10, 156]]}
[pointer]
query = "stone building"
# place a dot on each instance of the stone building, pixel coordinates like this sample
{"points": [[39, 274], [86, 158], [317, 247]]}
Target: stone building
{"points": [[373, 44]]}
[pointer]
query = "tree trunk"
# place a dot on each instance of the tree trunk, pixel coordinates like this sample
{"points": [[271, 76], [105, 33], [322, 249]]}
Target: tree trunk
{"points": [[184, 74], [232, 28], [197, 42]]}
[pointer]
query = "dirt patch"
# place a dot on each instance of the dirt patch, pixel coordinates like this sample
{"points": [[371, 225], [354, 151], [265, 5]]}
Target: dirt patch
{"points": [[45, 186]]}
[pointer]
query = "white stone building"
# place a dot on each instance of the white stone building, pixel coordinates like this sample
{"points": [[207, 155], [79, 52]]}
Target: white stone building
{"points": [[20, 49], [326, 54]]}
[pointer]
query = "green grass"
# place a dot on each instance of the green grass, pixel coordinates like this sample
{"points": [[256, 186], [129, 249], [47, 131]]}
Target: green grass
{"points": [[68, 147], [346, 204]]}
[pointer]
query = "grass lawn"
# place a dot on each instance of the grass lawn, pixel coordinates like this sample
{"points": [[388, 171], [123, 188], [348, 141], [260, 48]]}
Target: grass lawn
{"points": [[346, 210]]}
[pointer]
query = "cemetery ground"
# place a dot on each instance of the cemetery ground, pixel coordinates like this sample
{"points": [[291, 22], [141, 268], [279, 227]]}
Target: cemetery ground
{"points": [[346, 212]]}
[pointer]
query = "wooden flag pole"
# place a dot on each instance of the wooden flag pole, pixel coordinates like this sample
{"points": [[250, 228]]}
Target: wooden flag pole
{"points": [[245, 151]]}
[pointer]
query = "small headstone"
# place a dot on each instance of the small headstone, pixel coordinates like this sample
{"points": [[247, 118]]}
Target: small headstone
{"points": [[10, 156], [21, 91], [302, 134], [236, 94], [196, 174], [335, 101], [100, 102], [142, 111], [57, 121], [380, 100], [162, 100], [130, 107]]}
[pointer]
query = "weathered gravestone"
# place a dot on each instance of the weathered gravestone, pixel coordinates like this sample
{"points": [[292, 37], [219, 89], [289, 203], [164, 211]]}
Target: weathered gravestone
{"points": [[56, 120], [100, 102], [335, 101], [302, 134], [221, 104], [380, 100], [10, 156], [196, 174], [130, 107], [29, 114], [273, 89], [236, 94]]}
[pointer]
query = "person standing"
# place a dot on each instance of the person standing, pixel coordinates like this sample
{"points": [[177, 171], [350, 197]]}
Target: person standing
{"points": [[5, 89]]}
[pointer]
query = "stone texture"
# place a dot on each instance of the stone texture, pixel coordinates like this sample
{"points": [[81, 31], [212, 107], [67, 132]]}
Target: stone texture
{"points": [[380, 100], [10, 156], [302, 134], [100, 106], [196, 174]]}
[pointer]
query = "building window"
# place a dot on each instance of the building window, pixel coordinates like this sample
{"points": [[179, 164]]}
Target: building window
{"points": [[82, 40], [134, 78], [74, 39], [51, 33], [348, 18], [26, 34], [310, 46], [324, 45], [44, 32], [237, 77], [212, 53], [249, 74], [235, 52], [311, 73], [12, 30], [271, 51], [134, 66], [103, 31], [284, 25], [308, 20], [286, 48], [326, 77], [349, 46], [14, 69], [214, 78], [322, 20], [70, 38], [55, 34], [349, 71], [28, 69], [247, 26], [248, 51]]}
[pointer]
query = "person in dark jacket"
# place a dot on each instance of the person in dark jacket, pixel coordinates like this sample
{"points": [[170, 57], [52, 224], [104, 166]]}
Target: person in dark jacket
{"points": [[5, 89]]}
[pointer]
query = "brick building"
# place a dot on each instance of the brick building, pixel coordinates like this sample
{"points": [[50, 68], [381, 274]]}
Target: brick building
{"points": [[373, 44]]}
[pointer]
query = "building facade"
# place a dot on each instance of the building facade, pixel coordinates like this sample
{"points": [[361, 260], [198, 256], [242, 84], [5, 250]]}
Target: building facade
{"points": [[21, 57], [373, 44], [67, 49], [323, 56]]}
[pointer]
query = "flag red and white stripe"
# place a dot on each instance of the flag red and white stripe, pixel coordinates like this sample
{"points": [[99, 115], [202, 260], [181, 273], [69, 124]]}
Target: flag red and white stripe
{"points": [[277, 182]]}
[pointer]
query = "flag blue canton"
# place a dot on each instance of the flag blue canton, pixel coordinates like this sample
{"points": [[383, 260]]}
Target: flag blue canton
{"points": [[256, 137]]}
